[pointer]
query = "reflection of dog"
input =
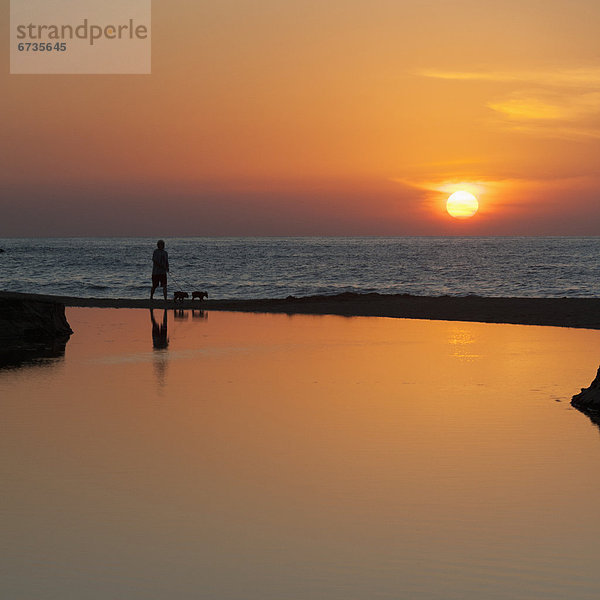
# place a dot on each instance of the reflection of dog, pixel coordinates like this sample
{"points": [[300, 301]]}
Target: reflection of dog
{"points": [[180, 296], [180, 314], [199, 295]]}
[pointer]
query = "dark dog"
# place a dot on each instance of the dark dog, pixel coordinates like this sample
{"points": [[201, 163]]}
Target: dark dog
{"points": [[199, 295], [180, 296]]}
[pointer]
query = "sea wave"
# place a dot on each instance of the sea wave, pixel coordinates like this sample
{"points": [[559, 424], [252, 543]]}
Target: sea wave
{"points": [[277, 267]]}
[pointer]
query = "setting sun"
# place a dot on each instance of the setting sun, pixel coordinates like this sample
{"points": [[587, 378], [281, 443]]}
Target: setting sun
{"points": [[462, 205]]}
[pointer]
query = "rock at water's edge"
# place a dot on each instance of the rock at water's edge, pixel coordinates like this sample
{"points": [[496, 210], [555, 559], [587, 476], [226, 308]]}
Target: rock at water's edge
{"points": [[32, 320], [589, 398]]}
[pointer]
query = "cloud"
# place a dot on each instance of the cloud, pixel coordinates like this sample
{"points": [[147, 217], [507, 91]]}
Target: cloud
{"points": [[548, 106], [563, 104], [494, 186], [588, 78], [560, 133]]}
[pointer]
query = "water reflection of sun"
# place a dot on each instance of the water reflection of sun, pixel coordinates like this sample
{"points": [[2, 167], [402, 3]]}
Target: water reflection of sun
{"points": [[461, 341]]}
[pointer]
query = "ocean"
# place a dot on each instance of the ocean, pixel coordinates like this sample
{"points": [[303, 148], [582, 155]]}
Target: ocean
{"points": [[299, 266]]}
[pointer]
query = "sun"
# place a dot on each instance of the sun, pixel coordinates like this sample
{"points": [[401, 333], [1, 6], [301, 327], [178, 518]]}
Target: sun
{"points": [[462, 205]]}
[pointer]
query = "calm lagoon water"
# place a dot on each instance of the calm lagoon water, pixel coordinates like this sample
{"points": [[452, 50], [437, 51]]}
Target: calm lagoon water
{"points": [[265, 457]]}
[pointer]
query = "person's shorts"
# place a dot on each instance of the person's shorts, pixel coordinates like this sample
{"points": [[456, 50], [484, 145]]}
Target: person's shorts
{"points": [[159, 280]]}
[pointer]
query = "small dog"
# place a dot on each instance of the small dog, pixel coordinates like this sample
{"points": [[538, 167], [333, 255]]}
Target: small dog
{"points": [[180, 296], [199, 295]]}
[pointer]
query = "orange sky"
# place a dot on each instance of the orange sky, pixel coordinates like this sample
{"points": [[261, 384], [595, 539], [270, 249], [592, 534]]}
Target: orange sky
{"points": [[343, 118]]}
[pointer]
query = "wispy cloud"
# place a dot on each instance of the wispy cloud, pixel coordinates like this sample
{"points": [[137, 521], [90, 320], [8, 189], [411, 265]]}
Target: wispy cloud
{"points": [[493, 186], [562, 133], [588, 78], [540, 105], [564, 103], [448, 186]]}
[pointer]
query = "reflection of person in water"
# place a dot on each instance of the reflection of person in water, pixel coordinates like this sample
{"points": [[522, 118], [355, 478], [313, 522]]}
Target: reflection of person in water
{"points": [[160, 339]]}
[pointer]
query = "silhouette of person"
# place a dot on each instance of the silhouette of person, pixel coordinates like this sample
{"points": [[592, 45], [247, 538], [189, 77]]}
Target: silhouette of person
{"points": [[160, 268], [160, 339]]}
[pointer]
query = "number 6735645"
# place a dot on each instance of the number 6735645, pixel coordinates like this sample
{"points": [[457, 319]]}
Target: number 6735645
{"points": [[42, 47]]}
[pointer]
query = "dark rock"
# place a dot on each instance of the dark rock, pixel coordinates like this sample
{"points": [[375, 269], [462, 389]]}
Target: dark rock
{"points": [[589, 398], [32, 320], [31, 329]]}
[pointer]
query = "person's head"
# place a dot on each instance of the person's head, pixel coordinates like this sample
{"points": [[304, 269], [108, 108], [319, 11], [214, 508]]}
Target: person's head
{"points": [[160, 244]]}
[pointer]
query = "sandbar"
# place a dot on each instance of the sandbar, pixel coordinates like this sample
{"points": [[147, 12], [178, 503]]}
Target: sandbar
{"points": [[559, 312]]}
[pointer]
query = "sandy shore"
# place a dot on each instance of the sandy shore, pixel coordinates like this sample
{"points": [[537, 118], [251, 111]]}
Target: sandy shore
{"points": [[561, 312]]}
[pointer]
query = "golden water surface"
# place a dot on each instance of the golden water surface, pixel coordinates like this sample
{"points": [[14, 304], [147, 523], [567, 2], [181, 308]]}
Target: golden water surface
{"points": [[241, 456]]}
